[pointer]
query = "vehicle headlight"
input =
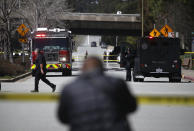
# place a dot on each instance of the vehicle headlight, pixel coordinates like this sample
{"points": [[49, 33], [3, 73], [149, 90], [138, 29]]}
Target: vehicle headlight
{"points": [[63, 59]]}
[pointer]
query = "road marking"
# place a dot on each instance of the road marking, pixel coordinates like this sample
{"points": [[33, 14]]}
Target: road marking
{"points": [[142, 100]]}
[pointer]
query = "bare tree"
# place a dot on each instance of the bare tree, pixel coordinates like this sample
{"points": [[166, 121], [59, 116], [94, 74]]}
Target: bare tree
{"points": [[37, 13], [7, 7]]}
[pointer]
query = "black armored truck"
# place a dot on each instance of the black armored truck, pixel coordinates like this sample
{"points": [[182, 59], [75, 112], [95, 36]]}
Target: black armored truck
{"points": [[157, 57]]}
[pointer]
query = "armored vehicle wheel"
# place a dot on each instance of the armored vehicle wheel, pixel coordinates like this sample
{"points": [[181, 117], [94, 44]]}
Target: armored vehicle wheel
{"points": [[141, 80]]}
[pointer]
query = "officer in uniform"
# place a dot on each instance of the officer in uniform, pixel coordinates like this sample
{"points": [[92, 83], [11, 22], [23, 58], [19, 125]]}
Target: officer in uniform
{"points": [[40, 71], [129, 59]]}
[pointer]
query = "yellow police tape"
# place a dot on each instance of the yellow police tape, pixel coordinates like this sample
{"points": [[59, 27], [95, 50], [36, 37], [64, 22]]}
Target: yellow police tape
{"points": [[29, 96], [189, 52], [111, 60], [145, 100], [79, 57]]}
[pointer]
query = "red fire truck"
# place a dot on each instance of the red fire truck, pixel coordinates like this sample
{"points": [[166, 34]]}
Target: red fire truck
{"points": [[56, 45]]}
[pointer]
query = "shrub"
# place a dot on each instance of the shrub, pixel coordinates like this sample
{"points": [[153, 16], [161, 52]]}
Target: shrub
{"points": [[9, 69]]}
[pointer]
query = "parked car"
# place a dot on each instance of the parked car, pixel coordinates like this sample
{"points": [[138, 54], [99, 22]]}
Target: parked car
{"points": [[93, 44]]}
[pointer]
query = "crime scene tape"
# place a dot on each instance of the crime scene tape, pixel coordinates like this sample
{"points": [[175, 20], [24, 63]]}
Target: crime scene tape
{"points": [[111, 60], [81, 58], [189, 52], [29, 97], [142, 100], [166, 100]]}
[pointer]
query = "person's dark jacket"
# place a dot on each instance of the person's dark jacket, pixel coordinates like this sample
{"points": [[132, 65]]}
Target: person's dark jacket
{"points": [[40, 60], [129, 58], [96, 102]]}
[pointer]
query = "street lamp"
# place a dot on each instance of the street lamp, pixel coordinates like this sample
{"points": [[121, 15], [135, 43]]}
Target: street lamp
{"points": [[142, 19]]}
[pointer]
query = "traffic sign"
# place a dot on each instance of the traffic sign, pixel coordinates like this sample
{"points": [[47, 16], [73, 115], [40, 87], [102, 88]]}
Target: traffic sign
{"points": [[22, 30], [165, 30], [23, 40], [155, 33]]}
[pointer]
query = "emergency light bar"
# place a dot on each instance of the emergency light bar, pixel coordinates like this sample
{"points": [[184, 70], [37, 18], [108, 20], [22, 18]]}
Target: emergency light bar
{"points": [[150, 37], [41, 29], [57, 30], [41, 35]]}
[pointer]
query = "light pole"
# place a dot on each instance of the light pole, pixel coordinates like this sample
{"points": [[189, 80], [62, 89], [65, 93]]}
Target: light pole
{"points": [[142, 19]]}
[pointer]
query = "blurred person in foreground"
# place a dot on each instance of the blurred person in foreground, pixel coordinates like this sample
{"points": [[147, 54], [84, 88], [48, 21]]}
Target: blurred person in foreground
{"points": [[95, 101], [40, 71]]}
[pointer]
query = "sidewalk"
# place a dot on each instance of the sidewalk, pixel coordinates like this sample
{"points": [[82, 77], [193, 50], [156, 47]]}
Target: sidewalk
{"points": [[188, 74], [16, 78]]}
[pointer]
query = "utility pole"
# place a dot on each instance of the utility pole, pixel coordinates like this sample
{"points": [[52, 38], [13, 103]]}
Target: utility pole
{"points": [[116, 40], [142, 19], [19, 4]]}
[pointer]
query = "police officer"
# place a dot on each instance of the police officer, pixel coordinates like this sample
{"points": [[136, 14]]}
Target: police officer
{"points": [[129, 58], [40, 71]]}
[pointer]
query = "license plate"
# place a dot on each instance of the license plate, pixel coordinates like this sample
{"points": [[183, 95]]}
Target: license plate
{"points": [[159, 70]]}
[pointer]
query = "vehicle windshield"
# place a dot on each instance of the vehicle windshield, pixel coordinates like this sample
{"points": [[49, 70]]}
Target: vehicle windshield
{"points": [[51, 44]]}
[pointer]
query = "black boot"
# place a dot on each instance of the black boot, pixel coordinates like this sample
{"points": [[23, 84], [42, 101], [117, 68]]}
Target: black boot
{"points": [[34, 91], [53, 87]]}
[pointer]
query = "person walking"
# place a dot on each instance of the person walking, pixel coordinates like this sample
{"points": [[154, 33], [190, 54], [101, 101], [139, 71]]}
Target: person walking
{"points": [[86, 54], [95, 101], [40, 71], [105, 56]]}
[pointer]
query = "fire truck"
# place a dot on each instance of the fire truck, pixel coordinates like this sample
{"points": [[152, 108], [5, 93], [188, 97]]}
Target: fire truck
{"points": [[56, 45]]}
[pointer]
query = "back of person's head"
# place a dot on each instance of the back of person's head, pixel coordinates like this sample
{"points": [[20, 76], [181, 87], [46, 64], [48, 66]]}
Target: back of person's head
{"points": [[92, 63], [37, 50]]}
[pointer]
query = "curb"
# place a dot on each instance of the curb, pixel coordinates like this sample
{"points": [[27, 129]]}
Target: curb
{"points": [[16, 78], [188, 77]]}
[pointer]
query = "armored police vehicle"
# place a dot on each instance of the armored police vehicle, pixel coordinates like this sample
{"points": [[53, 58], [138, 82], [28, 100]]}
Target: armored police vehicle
{"points": [[157, 57]]}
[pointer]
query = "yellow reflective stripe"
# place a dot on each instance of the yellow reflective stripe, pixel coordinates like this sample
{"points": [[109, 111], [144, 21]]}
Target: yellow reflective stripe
{"points": [[33, 66], [53, 66], [47, 66]]}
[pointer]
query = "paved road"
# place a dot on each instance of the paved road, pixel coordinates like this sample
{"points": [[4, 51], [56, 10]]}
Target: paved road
{"points": [[39, 116], [30, 116]]}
